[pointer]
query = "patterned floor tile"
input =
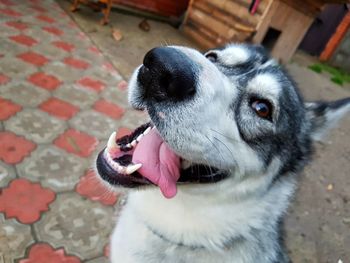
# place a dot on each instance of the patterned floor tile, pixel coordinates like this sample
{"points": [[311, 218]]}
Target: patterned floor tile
{"points": [[14, 238], [93, 84], [58, 108], [104, 75], [92, 187], [94, 123], [68, 47], [10, 12], [35, 125], [13, 148], [53, 30], [7, 173], [7, 109], [44, 80], [81, 226], [24, 93], [133, 119], [122, 85], [99, 260], [17, 25], [110, 109], [76, 63], [76, 142], [42, 252], [33, 58], [24, 40], [48, 147], [76, 95], [32, 199], [60, 69], [51, 52], [4, 79], [46, 19], [6, 31], [53, 167], [15, 68], [89, 55], [116, 96]]}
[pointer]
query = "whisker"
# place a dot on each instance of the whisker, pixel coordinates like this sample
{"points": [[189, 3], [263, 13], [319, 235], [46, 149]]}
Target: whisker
{"points": [[223, 135], [217, 149]]}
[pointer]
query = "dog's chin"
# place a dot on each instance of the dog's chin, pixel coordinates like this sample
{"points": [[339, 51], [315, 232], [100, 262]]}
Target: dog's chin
{"points": [[117, 169]]}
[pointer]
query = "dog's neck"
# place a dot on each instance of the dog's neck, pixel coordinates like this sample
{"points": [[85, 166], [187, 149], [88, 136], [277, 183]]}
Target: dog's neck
{"points": [[203, 217]]}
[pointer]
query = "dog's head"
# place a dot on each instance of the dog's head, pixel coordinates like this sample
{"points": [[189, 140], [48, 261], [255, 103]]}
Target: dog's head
{"points": [[230, 114]]}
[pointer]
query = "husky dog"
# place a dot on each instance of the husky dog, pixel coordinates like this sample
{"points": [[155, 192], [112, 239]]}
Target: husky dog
{"points": [[215, 168]]}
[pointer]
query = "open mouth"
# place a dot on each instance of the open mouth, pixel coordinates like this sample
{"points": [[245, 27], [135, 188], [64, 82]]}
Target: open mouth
{"points": [[143, 158]]}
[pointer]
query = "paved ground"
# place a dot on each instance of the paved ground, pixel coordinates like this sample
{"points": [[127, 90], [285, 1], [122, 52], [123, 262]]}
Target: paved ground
{"points": [[60, 99], [61, 96]]}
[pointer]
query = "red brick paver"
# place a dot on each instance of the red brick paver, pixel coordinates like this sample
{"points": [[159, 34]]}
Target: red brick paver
{"points": [[76, 63], [46, 19], [59, 108], [7, 109], [25, 200], [91, 187], [24, 40], [13, 148], [112, 110], [33, 58], [3, 79], [10, 12], [77, 142], [92, 84], [43, 80], [53, 30], [64, 45], [40, 253], [17, 25]]}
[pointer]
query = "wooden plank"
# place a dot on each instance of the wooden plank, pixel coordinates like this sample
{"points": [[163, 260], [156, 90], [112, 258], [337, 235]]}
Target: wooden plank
{"points": [[189, 9], [293, 32], [247, 18], [261, 7], [210, 22], [198, 38], [240, 11], [208, 33], [226, 18]]}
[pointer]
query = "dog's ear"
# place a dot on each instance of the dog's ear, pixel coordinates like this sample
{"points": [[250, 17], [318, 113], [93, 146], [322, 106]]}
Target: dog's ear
{"points": [[325, 115]]}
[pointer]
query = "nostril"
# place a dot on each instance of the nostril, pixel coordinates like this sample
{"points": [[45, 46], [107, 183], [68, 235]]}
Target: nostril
{"points": [[167, 74]]}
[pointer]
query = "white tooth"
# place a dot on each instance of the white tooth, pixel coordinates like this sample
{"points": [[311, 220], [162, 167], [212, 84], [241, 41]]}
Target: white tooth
{"points": [[153, 127], [111, 144], [147, 130], [133, 143], [138, 139], [132, 168], [129, 145]]}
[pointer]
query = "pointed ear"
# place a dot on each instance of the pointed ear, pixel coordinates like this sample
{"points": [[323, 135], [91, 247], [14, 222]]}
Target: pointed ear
{"points": [[325, 115]]}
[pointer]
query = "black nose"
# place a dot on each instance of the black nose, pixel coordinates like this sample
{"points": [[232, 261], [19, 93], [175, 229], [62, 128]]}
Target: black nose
{"points": [[167, 74]]}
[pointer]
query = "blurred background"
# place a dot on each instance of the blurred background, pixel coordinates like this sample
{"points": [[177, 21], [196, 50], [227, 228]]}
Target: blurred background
{"points": [[64, 68]]}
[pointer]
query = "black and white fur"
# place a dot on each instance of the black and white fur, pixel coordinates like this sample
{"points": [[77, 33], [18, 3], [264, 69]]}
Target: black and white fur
{"points": [[238, 219]]}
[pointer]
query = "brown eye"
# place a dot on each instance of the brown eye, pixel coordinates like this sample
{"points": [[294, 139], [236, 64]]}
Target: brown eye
{"points": [[262, 108]]}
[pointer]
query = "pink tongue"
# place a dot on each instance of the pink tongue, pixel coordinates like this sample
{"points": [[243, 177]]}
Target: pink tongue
{"points": [[160, 164]]}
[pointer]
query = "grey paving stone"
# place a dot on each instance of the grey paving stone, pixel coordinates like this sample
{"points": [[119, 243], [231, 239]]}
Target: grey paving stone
{"points": [[81, 226], [53, 168], [36, 126]]}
